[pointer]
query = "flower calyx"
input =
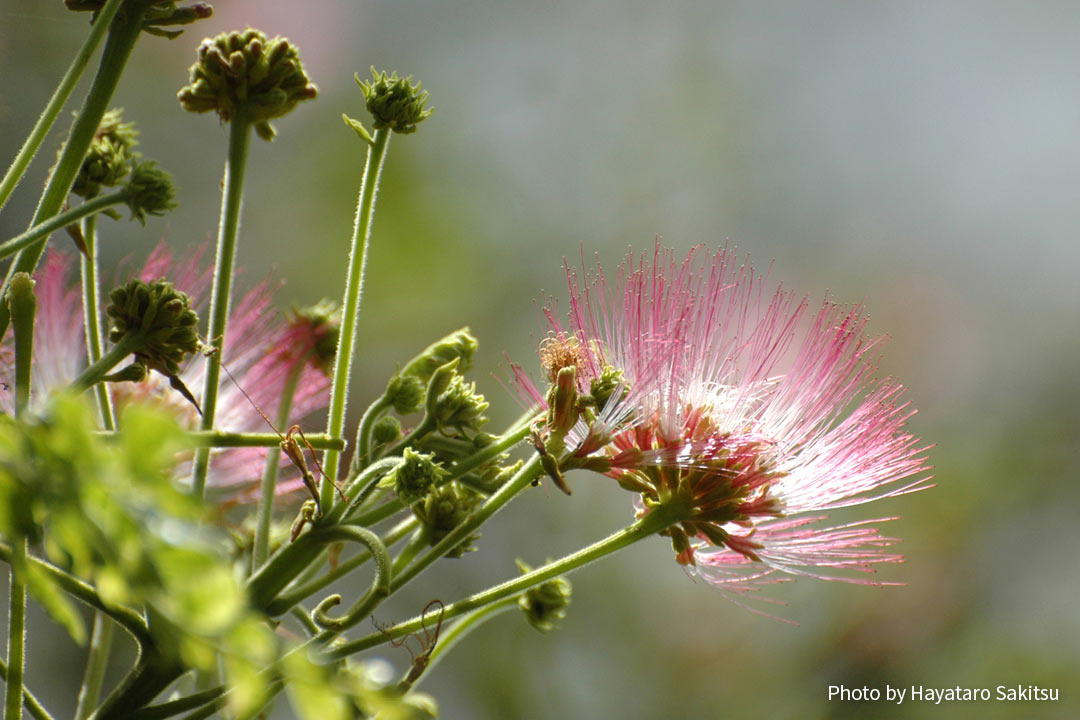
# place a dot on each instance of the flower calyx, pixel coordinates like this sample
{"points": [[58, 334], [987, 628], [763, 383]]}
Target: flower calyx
{"points": [[394, 103], [545, 604], [246, 72], [414, 476]]}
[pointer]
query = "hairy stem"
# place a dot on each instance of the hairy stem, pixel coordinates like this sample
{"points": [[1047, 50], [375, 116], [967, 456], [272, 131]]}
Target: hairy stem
{"points": [[93, 374], [91, 292], [96, 663], [48, 227], [350, 306], [33, 706], [261, 550], [228, 227], [56, 102], [13, 695]]}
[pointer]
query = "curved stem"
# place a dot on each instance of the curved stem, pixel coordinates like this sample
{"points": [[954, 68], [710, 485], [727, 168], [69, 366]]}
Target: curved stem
{"points": [[231, 201], [461, 628], [56, 102], [380, 584], [411, 549], [362, 451], [175, 707], [300, 591], [350, 306], [93, 374], [123, 33], [265, 513], [658, 519], [127, 618], [362, 486], [57, 222], [33, 706], [92, 317], [96, 664]]}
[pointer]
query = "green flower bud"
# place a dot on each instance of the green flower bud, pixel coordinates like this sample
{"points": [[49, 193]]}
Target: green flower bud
{"points": [[459, 407], [443, 509], [394, 102], [322, 321], [603, 387], [405, 393], [413, 476], [135, 372], [245, 70], [387, 430], [545, 604], [459, 344], [562, 401], [162, 315], [150, 191], [160, 13], [110, 157]]}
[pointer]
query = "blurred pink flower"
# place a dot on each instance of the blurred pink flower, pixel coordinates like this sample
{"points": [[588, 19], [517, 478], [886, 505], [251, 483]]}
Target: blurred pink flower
{"points": [[261, 348], [754, 412]]}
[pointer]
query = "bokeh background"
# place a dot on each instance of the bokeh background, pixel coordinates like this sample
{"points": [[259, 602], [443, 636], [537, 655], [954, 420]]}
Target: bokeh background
{"points": [[920, 155]]}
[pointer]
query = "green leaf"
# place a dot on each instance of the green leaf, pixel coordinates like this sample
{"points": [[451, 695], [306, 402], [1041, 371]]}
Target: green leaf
{"points": [[359, 128], [56, 603]]}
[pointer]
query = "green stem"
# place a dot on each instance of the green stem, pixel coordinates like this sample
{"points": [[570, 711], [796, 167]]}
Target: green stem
{"points": [[58, 222], [363, 433], [96, 664], [93, 374], [56, 102], [410, 551], [92, 317], [520, 480], [379, 591], [175, 707], [463, 627], [22, 303], [223, 439], [304, 618], [354, 285], [35, 708], [265, 511], [658, 519], [231, 201], [300, 591], [123, 33], [13, 696], [126, 617]]}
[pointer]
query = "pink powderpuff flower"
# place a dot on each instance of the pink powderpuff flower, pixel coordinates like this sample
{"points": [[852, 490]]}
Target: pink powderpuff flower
{"points": [[747, 409], [260, 351]]}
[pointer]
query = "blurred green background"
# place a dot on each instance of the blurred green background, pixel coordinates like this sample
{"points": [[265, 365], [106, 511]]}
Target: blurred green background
{"points": [[921, 155]]}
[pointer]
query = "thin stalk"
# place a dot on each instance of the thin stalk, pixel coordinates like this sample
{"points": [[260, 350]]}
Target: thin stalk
{"points": [[57, 222], [223, 439], [410, 551], [261, 550], [23, 305], [16, 649], [92, 317], [126, 617], [123, 33], [231, 201], [57, 101], [476, 518], [304, 618], [363, 433], [350, 305], [461, 628], [96, 663], [93, 374], [658, 519], [175, 707], [33, 706], [102, 634]]}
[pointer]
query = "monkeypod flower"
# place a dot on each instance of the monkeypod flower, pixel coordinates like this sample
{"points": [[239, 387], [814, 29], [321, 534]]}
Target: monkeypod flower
{"points": [[745, 411]]}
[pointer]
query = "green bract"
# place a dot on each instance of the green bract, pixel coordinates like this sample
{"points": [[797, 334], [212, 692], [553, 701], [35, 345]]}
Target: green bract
{"points": [[245, 70], [150, 191], [444, 509], [413, 476], [110, 157], [395, 103], [162, 316]]}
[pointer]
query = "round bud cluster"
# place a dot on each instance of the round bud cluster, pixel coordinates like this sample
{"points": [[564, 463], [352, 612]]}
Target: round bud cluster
{"points": [[244, 71], [318, 325], [161, 317], [110, 157], [414, 476], [395, 103], [442, 510], [459, 407], [459, 344], [387, 430], [150, 191], [405, 393]]}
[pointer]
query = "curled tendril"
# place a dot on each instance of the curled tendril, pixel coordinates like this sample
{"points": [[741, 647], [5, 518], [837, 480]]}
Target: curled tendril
{"points": [[380, 584]]}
